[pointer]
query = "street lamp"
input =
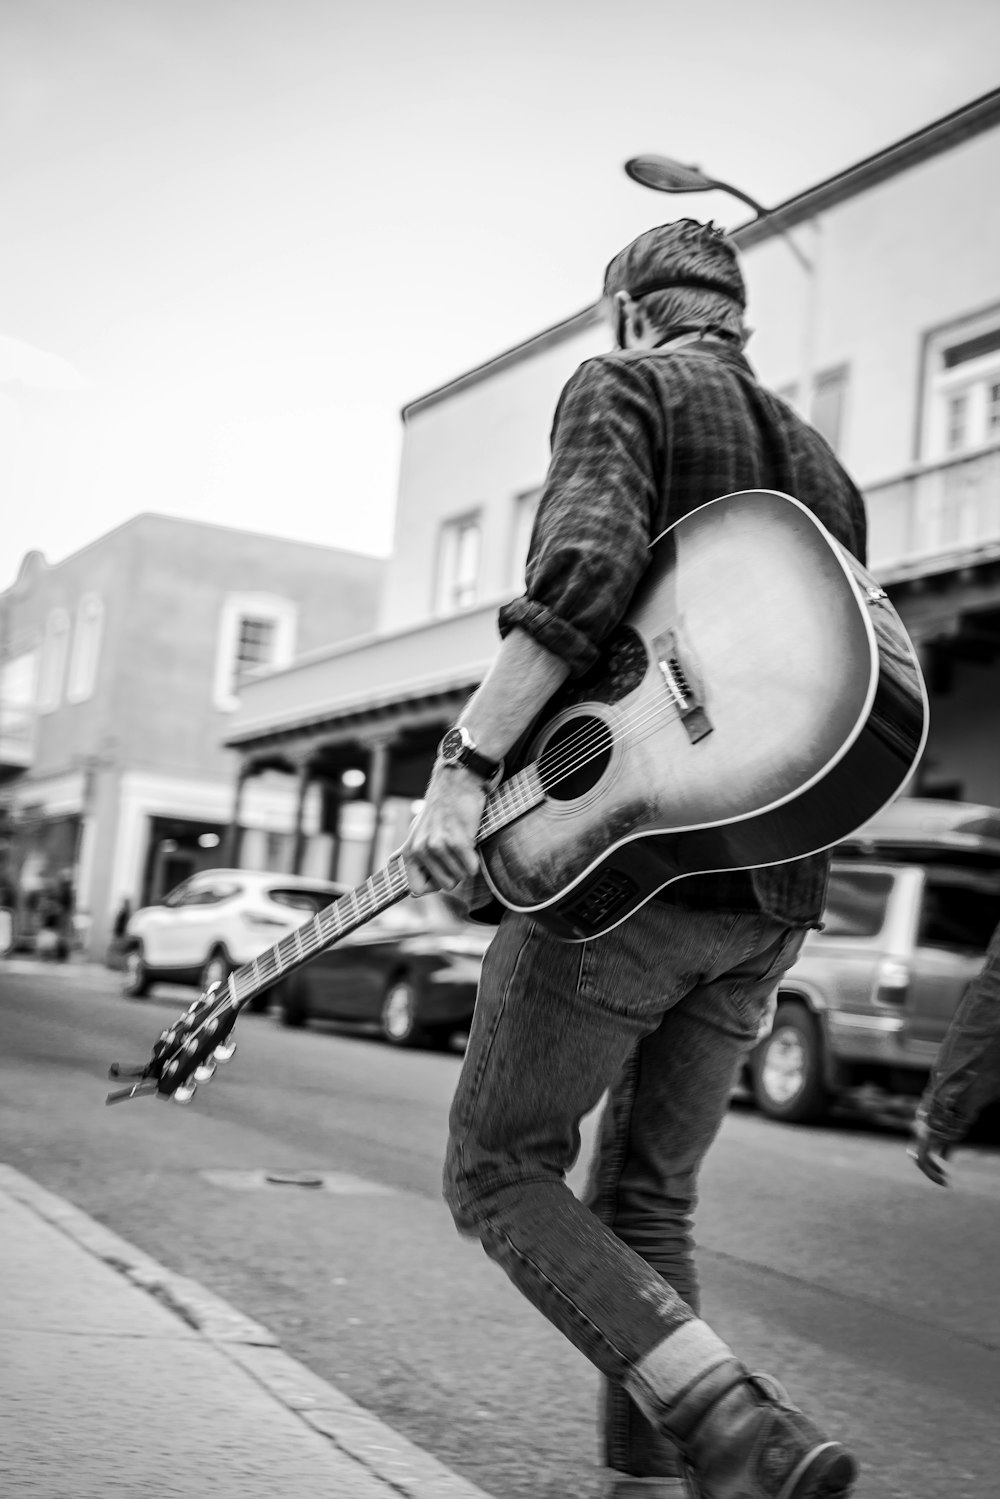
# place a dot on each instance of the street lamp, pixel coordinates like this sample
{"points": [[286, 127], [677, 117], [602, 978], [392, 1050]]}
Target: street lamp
{"points": [[664, 175]]}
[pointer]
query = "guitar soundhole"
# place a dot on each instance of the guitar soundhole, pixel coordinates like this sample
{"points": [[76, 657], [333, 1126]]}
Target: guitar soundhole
{"points": [[575, 758]]}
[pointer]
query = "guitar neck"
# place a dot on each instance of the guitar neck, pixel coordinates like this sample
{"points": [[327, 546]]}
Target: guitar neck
{"points": [[380, 891]]}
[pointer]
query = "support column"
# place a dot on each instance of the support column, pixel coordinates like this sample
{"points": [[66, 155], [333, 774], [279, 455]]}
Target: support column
{"points": [[305, 770], [332, 801], [234, 833], [378, 779]]}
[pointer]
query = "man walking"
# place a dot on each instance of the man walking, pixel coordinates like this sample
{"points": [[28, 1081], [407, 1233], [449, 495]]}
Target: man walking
{"points": [[660, 1011]]}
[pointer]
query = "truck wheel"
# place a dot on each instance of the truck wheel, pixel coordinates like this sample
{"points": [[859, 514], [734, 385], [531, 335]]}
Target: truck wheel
{"points": [[787, 1068]]}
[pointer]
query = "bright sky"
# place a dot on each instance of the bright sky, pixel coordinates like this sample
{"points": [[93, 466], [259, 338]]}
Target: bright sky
{"points": [[238, 235]]}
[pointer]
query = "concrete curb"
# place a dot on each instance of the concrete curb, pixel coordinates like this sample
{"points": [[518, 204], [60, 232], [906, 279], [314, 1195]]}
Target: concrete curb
{"points": [[389, 1456]]}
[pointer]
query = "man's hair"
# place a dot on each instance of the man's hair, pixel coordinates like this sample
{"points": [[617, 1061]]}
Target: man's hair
{"points": [[685, 274], [705, 310]]}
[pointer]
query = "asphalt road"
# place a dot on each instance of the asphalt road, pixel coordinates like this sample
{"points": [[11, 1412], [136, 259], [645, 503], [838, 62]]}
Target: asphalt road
{"points": [[826, 1258]]}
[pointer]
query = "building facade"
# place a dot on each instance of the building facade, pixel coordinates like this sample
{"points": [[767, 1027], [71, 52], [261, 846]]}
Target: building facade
{"points": [[120, 669], [876, 296]]}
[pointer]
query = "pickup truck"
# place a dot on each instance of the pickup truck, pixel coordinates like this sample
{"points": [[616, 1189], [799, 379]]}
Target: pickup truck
{"points": [[913, 900]]}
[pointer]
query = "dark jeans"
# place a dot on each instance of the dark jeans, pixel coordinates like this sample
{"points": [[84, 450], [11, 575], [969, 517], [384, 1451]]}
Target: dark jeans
{"points": [[966, 1075], [660, 1012]]}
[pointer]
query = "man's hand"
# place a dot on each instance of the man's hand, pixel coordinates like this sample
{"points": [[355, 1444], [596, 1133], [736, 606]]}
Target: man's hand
{"points": [[929, 1151], [440, 849]]}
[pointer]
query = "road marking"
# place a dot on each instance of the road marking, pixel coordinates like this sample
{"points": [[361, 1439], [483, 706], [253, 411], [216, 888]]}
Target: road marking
{"points": [[339, 1182]]}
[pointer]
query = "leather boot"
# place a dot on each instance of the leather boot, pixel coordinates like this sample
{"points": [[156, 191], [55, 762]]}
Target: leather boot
{"points": [[745, 1440]]}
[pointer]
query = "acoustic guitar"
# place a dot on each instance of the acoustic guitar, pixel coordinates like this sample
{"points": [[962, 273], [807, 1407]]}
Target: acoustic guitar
{"points": [[760, 701]]}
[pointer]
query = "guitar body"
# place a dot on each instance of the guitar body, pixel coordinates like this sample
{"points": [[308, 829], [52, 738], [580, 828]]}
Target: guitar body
{"points": [[759, 702]]}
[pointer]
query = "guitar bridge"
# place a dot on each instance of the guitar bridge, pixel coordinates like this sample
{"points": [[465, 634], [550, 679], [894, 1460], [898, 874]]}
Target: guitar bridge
{"points": [[683, 692]]}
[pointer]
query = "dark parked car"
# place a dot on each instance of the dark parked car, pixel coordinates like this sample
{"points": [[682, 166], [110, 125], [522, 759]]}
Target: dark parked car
{"points": [[216, 921], [913, 901], [413, 971]]}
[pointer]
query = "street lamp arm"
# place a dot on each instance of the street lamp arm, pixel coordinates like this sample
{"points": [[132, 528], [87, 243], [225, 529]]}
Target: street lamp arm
{"points": [[776, 215], [737, 192], [763, 213]]}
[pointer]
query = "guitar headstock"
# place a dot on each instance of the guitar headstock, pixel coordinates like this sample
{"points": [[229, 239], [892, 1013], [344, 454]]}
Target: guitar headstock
{"points": [[186, 1053]]}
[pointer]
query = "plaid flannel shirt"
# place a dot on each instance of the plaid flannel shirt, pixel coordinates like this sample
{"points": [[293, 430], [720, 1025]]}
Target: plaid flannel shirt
{"points": [[641, 438]]}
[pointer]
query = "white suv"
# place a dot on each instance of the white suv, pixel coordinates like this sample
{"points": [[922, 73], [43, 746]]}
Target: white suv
{"points": [[217, 921]]}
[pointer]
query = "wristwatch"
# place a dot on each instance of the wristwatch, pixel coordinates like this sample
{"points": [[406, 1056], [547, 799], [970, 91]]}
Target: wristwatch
{"points": [[459, 748]]}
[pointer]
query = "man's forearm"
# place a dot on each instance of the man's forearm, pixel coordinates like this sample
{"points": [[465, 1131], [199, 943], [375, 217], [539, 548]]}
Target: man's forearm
{"points": [[520, 681], [439, 851]]}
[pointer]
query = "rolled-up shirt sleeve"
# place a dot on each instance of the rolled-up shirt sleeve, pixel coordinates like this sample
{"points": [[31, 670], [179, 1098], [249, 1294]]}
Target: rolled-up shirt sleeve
{"points": [[596, 512]]}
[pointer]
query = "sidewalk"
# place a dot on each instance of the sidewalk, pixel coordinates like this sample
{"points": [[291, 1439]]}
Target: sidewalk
{"points": [[85, 970], [118, 1377]]}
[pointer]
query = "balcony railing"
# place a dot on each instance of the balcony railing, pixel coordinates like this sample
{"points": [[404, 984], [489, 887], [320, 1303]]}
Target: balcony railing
{"points": [[945, 508]]}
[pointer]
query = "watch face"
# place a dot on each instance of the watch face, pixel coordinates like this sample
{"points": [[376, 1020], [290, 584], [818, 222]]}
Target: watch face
{"points": [[452, 745]]}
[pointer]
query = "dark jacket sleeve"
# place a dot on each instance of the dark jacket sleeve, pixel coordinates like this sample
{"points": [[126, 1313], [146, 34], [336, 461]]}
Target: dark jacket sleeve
{"points": [[593, 526]]}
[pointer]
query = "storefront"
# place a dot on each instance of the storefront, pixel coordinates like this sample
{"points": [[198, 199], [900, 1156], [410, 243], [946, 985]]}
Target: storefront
{"points": [[42, 863], [178, 848]]}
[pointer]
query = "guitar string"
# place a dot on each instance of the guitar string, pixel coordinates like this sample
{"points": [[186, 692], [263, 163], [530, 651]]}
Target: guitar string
{"points": [[363, 904], [578, 751], [590, 743]]}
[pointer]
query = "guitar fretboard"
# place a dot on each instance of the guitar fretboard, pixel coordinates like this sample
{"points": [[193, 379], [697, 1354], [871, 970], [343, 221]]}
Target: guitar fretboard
{"points": [[382, 889]]}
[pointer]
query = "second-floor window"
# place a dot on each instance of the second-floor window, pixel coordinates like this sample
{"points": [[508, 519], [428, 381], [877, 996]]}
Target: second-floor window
{"points": [[827, 402], [962, 380], [55, 649], [458, 564], [255, 642], [256, 635], [525, 509], [86, 648], [829, 398]]}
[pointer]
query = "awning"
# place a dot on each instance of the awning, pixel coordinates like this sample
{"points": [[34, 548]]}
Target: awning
{"points": [[335, 692]]}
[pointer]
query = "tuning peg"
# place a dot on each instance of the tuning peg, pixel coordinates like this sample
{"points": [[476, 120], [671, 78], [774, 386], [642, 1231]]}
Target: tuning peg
{"points": [[185, 1092], [169, 1071], [163, 1043], [205, 1072], [225, 1051]]}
